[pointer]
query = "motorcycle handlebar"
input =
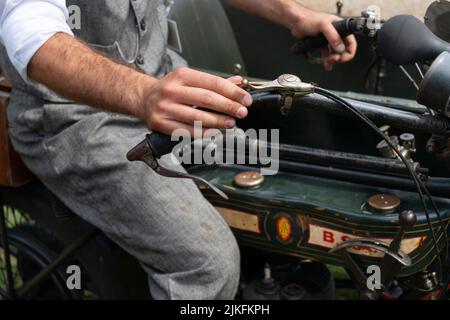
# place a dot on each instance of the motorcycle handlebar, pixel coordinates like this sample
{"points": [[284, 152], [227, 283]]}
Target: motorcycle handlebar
{"points": [[161, 144]]}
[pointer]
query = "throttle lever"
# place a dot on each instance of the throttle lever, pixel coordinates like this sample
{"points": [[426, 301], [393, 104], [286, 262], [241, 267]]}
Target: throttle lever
{"points": [[389, 264], [392, 262], [144, 152], [286, 83]]}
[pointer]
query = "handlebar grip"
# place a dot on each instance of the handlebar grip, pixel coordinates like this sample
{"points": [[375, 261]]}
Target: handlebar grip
{"points": [[160, 144], [157, 143], [138, 152], [344, 27]]}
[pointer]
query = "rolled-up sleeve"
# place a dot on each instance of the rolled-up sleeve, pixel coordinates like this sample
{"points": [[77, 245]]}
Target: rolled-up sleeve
{"points": [[25, 25]]}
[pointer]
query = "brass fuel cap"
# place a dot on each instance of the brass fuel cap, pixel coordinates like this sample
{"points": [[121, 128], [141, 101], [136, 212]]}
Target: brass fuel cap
{"points": [[384, 203], [248, 179]]}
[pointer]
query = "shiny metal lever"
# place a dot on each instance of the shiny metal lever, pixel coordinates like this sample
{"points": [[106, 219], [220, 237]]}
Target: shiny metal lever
{"points": [[143, 152], [287, 83], [399, 256]]}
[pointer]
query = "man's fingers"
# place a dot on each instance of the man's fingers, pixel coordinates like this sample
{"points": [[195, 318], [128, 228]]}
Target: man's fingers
{"points": [[350, 52], [167, 126], [328, 66], [348, 55], [333, 37], [211, 100], [189, 115], [237, 80], [216, 84], [325, 52], [334, 58]]}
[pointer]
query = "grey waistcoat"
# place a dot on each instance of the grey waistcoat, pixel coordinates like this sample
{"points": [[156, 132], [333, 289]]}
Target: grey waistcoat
{"points": [[130, 31]]}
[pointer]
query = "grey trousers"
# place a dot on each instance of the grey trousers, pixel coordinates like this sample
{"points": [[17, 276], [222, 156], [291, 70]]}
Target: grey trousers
{"points": [[183, 243]]}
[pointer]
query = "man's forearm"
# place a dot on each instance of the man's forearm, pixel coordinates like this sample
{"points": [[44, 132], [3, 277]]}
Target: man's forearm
{"points": [[72, 69], [284, 12]]}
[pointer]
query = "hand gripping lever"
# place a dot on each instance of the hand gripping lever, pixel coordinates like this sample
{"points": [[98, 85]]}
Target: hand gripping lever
{"points": [[157, 145]]}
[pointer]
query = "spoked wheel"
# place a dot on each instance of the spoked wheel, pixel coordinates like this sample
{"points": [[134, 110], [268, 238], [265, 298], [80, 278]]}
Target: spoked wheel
{"points": [[14, 217], [9, 278], [31, 250]]}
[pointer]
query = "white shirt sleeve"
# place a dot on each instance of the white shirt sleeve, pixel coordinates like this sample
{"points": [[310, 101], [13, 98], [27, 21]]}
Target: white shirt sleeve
{"points": [[25, 25]]}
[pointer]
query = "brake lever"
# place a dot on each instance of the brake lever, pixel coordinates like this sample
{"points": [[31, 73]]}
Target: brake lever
{"points": [[288, 86], [143, 152], [176, 174], [286, 83]]}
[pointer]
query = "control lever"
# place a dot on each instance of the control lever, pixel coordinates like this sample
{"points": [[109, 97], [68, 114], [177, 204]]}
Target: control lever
{"points": [[406, 144], [288, 86], [154, 147], [393, 260], [390, 266], [284, 83]]}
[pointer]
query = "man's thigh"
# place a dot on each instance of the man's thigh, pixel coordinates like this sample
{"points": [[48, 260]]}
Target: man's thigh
{"points": [[164, 222]]}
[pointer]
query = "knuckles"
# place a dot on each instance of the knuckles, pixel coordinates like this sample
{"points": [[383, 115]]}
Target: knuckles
{"points": [[232, 107], [218, 84], [161, 106], [325, 26], [196, 116], [153, 122], [168, 90], [181, 73], [207, 99]]}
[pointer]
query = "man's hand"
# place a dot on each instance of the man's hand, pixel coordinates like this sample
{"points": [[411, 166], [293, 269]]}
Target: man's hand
{"points": [[171, 103], [166, 104], [303, 22], [310, 23]]}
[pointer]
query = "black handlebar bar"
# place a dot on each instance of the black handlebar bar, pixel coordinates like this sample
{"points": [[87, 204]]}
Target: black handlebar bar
{"points": [[344, 27], [161, 144]]}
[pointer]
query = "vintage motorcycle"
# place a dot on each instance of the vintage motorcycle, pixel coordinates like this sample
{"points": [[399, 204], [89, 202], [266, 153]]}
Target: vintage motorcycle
{"points": [[322, 208], [375, 218]]}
